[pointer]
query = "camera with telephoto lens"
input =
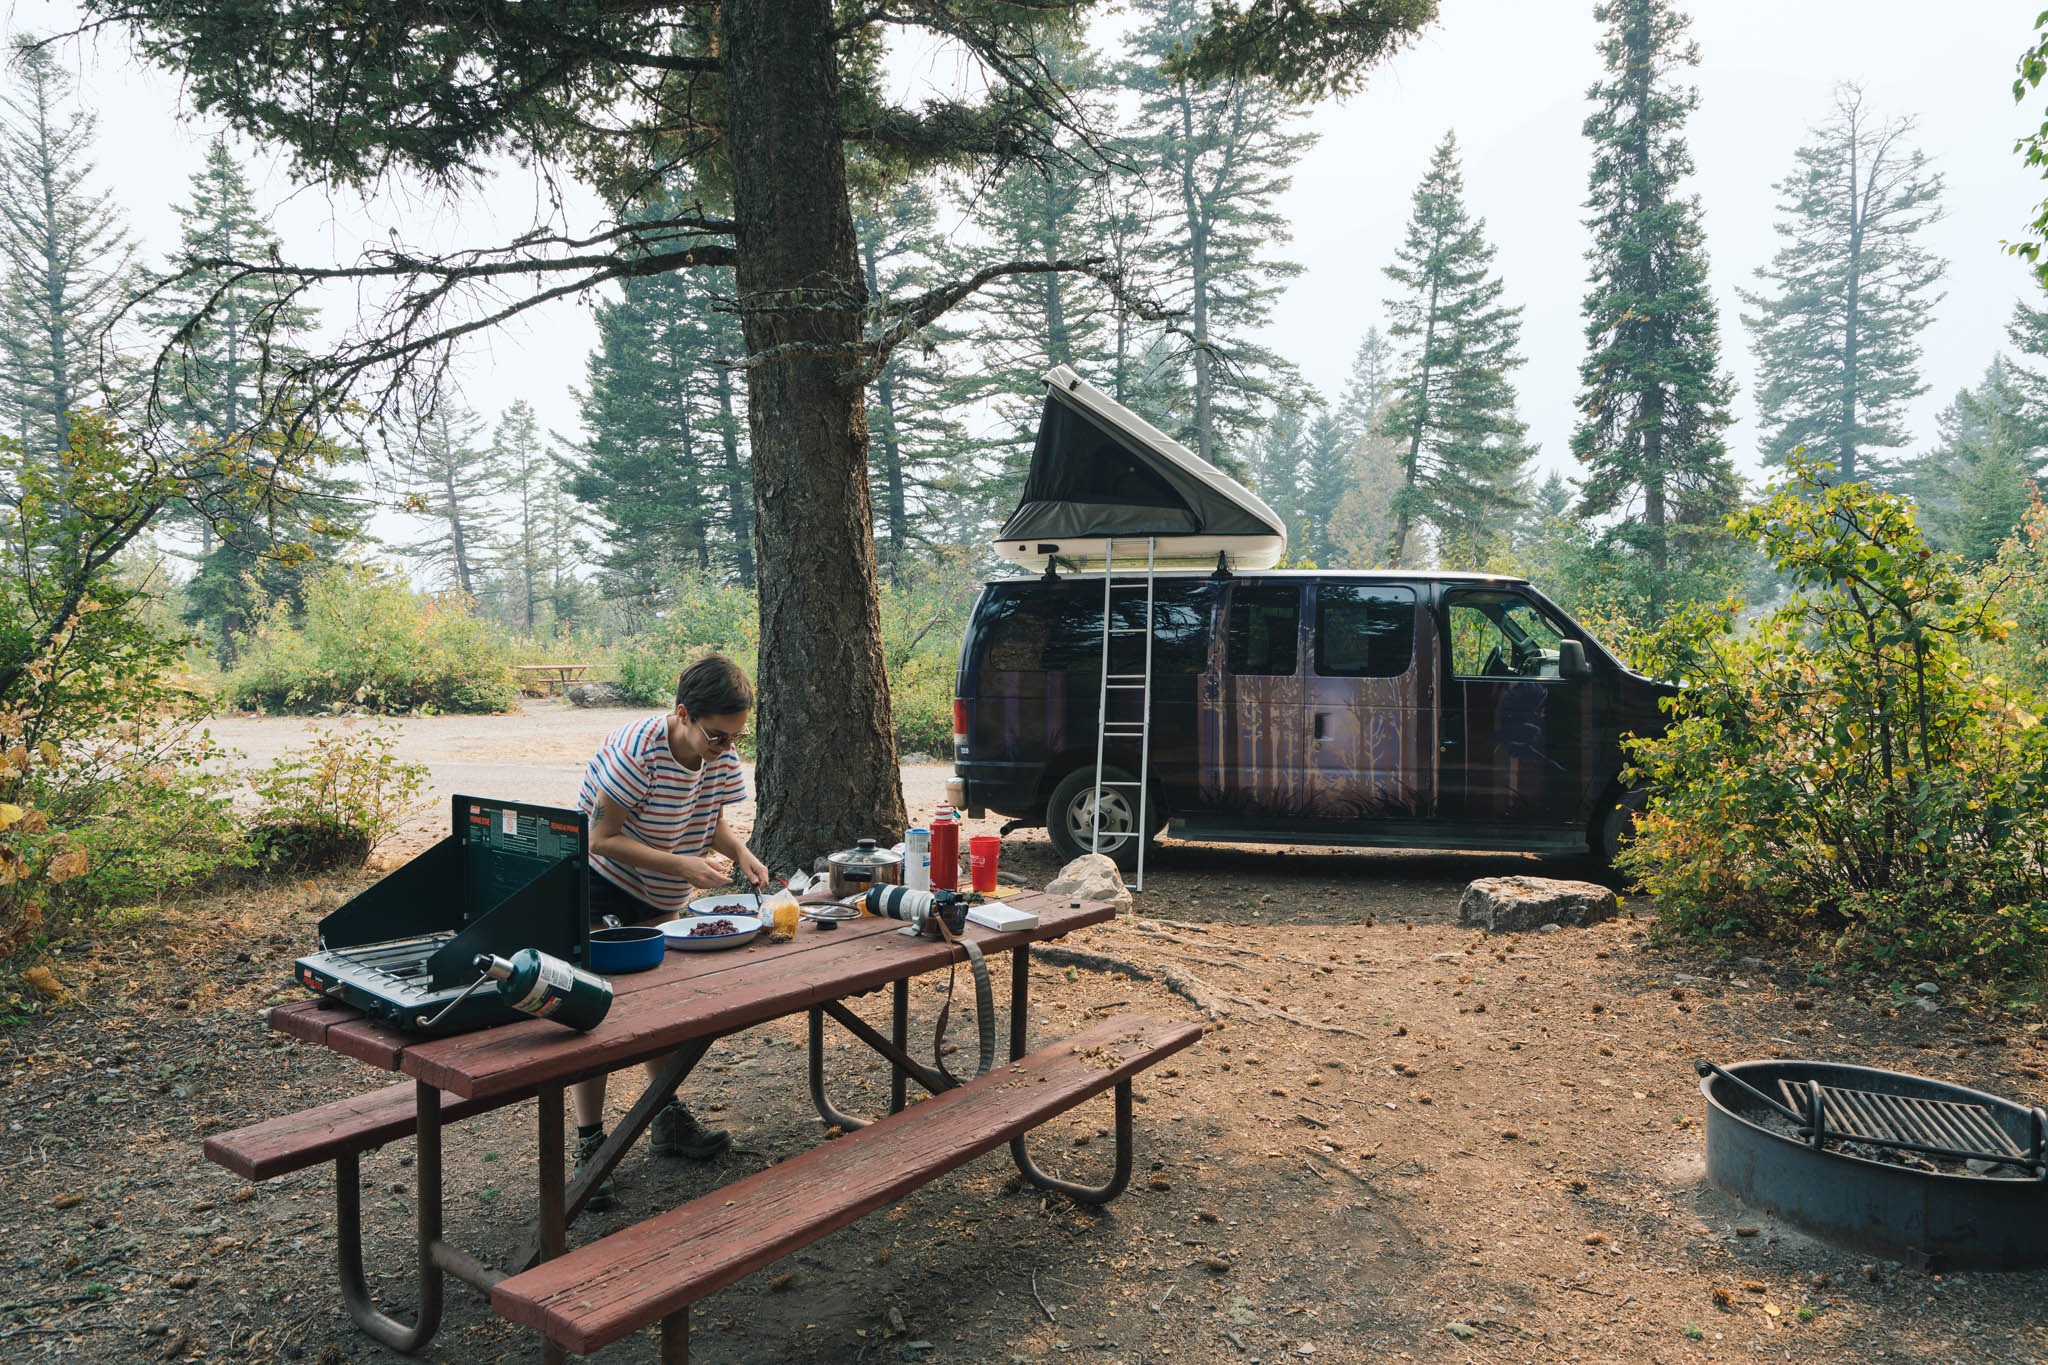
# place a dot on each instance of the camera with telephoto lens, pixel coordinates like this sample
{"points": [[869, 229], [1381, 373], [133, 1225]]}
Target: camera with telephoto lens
{"points": [[923, 909]]}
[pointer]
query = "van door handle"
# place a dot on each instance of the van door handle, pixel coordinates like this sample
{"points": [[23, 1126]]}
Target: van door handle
{"points": [[1319, 726]]}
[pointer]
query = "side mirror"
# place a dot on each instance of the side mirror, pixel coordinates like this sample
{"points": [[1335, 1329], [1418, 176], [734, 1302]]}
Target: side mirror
{"points": [[1571, 660]]}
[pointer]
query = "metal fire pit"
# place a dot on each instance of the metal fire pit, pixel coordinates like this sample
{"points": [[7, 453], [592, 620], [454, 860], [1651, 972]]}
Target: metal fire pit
{"points": [[1876, 1160]]}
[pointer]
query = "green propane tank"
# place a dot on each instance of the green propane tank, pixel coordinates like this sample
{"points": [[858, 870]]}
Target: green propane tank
{"points": [[548, 988]]}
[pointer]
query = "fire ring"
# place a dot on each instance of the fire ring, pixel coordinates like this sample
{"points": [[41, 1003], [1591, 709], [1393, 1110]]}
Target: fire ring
{"points": [[1901, 1166]]}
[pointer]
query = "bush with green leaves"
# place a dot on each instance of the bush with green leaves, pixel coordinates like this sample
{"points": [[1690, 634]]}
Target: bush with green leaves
{"points": [[1841, 776], [366, 641], [331, 803], [2016, 580]]}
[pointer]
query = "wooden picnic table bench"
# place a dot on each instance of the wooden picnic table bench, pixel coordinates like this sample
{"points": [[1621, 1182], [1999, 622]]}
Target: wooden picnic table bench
{"points": [[551, 678], [653, 1271], [672, 1015]]}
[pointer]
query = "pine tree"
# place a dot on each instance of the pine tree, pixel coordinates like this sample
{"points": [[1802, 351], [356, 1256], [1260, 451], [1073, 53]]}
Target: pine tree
{"points": [[919, 457], [1369, 385], [66, 260], [539, 557], [449, 480], [1837, 336], [1974, 487], [665, 466], [1654, 399], [1453, 409], [1224, 157]]}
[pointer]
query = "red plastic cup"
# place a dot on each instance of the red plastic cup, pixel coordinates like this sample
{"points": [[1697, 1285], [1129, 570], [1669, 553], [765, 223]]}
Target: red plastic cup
{"points": [[982, 850]]}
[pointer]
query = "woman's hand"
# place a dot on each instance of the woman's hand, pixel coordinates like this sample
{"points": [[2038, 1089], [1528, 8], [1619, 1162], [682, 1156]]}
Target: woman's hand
{"points": [[752, 868], [707, 873]]}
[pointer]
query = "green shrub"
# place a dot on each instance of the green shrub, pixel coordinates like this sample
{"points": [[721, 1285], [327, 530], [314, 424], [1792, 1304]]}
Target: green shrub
{"points": [[368, 642], [2016, 580], [333, 802], [705, 615], [1841, 775]]}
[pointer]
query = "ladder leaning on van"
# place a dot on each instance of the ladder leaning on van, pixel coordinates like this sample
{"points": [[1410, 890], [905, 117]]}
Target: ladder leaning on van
{"points": [[1141, 683]]}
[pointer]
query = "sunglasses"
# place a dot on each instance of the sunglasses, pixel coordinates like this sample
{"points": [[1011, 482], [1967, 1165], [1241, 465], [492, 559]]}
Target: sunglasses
{"points": [[719, 739]]}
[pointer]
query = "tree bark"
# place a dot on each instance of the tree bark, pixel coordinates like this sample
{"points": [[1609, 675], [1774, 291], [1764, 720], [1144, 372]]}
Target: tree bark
{"points": [[827, 772]]}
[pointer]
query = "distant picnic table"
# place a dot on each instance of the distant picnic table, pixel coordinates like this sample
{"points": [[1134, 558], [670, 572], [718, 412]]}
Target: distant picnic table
{"points": [[550, 678]]}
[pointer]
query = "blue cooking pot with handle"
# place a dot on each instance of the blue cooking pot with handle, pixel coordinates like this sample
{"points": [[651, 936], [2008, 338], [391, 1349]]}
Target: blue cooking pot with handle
{"points": [[618, 949]]}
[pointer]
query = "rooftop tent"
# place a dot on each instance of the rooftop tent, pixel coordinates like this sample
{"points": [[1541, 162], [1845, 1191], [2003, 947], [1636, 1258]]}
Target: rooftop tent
{"points": [[1100, 471]]}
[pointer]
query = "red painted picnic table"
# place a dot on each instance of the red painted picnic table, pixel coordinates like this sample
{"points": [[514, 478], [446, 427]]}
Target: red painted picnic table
{"points": [[675, 1011]]}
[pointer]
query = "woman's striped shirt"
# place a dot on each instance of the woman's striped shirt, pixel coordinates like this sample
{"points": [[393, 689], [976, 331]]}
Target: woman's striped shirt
{"points": [[668, 807]]}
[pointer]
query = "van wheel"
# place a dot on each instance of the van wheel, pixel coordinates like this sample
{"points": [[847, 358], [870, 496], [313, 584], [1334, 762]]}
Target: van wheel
{"points": [[1616, 825], [1070, 817]]}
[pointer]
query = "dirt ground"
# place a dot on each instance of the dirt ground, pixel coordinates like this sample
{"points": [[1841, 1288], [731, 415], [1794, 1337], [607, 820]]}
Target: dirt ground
{"points": [[1400, 1140]]}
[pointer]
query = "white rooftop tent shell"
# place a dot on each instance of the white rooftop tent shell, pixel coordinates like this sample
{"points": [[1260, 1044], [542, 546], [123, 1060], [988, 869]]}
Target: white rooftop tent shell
{"points": [[1101, 472]]}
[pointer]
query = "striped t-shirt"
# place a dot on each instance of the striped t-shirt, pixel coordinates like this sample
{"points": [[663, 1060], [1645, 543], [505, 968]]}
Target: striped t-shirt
{"points": [[668, 807]]}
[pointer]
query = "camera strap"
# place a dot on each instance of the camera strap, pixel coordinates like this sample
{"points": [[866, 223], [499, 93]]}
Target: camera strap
{"points": [[984, 1006]]}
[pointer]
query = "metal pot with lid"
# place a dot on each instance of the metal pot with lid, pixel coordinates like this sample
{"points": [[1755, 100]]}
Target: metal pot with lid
{"points": [[852, 871]]}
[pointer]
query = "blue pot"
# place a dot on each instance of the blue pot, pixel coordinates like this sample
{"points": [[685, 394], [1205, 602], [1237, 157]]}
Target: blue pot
{"points": [[632, 948]]}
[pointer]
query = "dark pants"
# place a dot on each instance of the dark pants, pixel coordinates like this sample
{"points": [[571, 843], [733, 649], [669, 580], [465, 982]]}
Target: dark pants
{"points": [[607, 897]]}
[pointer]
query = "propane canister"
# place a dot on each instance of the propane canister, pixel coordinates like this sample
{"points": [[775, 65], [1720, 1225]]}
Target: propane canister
{"points": [[548, 988]]}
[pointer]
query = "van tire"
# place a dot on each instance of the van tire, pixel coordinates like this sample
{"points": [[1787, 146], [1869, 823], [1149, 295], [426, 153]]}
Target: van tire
{"points": [[1070, 816], [1616, 825]]}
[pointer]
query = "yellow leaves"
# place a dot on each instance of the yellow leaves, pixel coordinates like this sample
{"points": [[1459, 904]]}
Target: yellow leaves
{"points": [[45, 982], [10, 814]]}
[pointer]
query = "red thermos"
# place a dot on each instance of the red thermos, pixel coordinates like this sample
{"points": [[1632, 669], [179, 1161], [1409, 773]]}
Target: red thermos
{"points": [[945, 850]]}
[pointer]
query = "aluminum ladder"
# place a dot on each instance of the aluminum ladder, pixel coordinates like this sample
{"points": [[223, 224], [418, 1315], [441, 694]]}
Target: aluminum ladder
{"points": [[1141, 683]]}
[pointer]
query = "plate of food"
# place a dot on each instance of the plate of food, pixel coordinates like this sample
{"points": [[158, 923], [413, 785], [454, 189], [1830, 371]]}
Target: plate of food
{"points": [[701, 933], [726, 903]]}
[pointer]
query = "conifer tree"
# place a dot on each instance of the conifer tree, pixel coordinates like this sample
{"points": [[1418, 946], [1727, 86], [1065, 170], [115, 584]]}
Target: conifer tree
{"points": [[1974, 487], [919, 457], [65, 258], [448, 480], [1453, 408], [1369, 384], [1837, 334], [665, 465], [539, 548], [1224, 156], [1653, 399]]}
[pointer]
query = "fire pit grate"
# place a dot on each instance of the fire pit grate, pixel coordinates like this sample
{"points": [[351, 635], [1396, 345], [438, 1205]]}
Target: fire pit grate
{"points": [[1945, 1128], [1902, 1165]]}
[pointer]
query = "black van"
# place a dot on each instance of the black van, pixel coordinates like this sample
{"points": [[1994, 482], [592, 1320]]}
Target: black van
{"points": [[1417, 710]]}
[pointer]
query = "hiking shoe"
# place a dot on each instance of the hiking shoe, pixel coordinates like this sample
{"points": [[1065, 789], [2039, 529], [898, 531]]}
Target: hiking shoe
{"points": [[605, 1196], [676, 1132]]}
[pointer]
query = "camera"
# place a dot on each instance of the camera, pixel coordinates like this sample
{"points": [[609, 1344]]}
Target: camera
{"points": [[924, 910]]}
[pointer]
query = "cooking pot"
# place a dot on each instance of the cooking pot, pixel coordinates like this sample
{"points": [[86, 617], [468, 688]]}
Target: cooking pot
{"points": [[626, 948], [853, 870]]}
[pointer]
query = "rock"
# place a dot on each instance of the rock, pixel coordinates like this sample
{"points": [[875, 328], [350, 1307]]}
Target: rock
{"points": [[1928, 1006], [1928, 988], [597, 694], [1512, 905], [1091, 877], [1550, 928], [917, 758]]}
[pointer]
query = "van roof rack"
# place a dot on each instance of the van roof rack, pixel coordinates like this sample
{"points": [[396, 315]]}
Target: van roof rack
{"points": [[1222, 570]]}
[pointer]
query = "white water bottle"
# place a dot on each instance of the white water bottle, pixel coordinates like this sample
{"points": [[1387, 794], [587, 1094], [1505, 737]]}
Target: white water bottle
{"points": [[917, 859]]}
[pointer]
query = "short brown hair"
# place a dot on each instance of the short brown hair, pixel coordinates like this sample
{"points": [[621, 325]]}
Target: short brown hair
{"points": [[714, 686]]}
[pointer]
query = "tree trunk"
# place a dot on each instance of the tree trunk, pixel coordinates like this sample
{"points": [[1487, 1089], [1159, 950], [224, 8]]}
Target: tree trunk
{"points": [[828, 768]]}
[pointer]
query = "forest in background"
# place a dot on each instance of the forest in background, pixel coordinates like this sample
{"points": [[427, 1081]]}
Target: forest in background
{"points": [[252, 565]]}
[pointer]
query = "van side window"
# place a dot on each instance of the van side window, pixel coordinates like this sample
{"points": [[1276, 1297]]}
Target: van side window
{"points": [[1501, 635], [1364, 630], [1058, 629], [1265, 629]]}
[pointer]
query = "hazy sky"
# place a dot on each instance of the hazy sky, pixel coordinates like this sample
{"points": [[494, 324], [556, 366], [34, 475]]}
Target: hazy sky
{"points": [[1509, 75]]}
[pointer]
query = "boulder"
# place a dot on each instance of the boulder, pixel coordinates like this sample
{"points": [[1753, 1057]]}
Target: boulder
{"points": [[597, 694], [1516, 905], [1091, 877]]}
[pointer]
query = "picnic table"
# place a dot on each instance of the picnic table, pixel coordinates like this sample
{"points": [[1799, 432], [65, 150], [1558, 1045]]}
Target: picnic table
{"points": [[551, 678], [652, 1271]]}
